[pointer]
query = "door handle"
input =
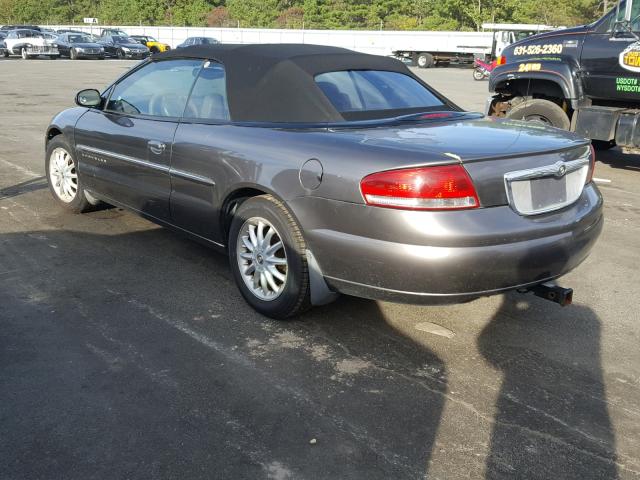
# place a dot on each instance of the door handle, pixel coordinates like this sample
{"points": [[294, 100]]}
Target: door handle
{"points": [[156, 147]]}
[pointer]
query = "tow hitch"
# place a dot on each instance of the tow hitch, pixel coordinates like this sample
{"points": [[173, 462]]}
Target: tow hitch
{"points": [[552, 292]]}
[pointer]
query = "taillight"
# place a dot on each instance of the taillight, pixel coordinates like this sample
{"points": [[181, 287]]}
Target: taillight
{"points": [[592, 164], [446, 187], [501, 60]]}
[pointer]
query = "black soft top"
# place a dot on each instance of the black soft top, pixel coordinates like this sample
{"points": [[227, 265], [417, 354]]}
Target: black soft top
{"points": [[275, 82]]}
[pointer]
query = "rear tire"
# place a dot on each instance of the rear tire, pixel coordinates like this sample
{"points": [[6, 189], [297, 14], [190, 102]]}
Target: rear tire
{"points": [[250, 260], [542, 111], [425, 60], [63, 177]]}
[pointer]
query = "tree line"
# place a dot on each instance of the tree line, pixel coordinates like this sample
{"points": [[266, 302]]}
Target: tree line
{"points": [[308, 14]]}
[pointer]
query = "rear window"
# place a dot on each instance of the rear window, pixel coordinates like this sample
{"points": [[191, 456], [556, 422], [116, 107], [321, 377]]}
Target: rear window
{"points": [[361, 94]]}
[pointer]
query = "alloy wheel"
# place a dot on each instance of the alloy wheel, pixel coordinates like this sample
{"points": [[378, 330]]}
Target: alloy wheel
{"points": [[262, 259], [63, 175]]}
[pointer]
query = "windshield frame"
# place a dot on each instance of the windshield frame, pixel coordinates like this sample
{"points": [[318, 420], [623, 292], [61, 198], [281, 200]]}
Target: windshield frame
{"points": [[85, 38]]}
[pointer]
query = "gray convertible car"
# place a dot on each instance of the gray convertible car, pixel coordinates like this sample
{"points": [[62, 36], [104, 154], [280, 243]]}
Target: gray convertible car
{"points": [[323, 171]]}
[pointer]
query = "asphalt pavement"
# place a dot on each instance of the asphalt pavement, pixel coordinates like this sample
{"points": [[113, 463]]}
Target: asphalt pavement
{"points": [[126, 350]]}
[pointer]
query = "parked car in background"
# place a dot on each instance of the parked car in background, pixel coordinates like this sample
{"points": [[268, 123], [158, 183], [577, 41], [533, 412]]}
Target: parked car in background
{"points": [[19, 27], [151, 43], [247, 154], [108, 32], [29, 44], [79, 45], [190, 41], [3, 47], [123, 47], [66, 30], [49, 35]]}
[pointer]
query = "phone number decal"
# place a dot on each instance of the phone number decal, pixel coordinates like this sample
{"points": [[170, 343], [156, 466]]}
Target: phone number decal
{"points": [[546, 49]]}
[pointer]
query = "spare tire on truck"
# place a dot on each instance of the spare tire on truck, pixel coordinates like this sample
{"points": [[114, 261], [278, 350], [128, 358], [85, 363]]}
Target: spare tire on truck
{"points": [[540, 110]]}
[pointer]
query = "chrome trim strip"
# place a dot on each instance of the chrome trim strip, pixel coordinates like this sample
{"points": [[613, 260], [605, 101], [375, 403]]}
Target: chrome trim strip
{"points": [[191, 176], [558, 169], [144, 163], [547, 170], [124, 158]]}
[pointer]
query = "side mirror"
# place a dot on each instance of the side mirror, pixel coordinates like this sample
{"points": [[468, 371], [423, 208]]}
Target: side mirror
{"points": [[89, 98], [627, 10]]}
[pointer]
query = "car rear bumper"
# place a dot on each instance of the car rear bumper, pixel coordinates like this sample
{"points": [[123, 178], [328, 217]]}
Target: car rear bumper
{"points": [[445, 257], [136, 56]]}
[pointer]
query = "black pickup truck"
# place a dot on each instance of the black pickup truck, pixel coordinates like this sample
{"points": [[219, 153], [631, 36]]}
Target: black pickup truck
{"points": [[585, 79]]}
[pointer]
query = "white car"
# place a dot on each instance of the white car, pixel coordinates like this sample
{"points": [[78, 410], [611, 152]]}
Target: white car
{"points": [[29, 44]]}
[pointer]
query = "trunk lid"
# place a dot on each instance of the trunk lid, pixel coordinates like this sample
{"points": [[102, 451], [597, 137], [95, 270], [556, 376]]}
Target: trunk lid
{"points": [[488, 148]]}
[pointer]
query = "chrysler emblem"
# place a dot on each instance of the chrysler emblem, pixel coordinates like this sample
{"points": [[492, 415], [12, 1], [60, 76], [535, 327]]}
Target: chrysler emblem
{"points": [[561, 171]]}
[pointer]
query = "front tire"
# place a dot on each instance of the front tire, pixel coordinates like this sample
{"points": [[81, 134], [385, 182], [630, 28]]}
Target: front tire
{"points": [[478, 74], [542, 111], [121, 54], [63, 177], [73, 55], [268, 259], [24, 54]]}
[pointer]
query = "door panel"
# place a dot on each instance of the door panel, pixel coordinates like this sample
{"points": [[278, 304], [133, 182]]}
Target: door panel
{"points": [[606, 78], [198, 159], [127, 160], [126, 148], [195, 169]]}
